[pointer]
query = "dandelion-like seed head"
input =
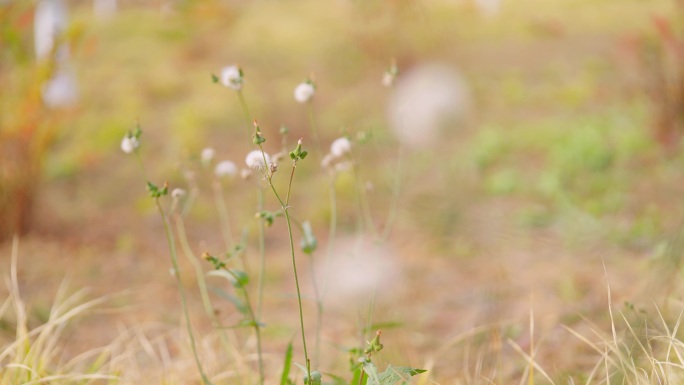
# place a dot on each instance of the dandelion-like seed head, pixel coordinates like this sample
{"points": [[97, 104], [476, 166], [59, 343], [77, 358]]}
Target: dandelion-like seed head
{"points": [[225, 168], [340, 147], [304, 92], [231, 77], [207, 155], [245, 173], [178, 193], [129, 144], [255, 160]]}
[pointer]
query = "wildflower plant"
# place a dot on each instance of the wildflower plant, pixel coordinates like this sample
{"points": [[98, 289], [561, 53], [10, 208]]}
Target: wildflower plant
{"points": [[264, 169]]}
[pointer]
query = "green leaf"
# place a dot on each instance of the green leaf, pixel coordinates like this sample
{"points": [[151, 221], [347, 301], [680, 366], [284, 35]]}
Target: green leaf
{"points": [[392, 375], [214, 78], [308, 242], [237, 278], [286, 365], [239, 305], [372, 372]]}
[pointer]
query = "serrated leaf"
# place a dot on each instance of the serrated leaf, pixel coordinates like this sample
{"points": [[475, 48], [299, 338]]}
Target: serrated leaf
{"points": [[286, 365], [392, 375], [372, 372]]}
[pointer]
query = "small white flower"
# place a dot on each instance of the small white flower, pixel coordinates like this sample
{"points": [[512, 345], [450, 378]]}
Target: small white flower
{"points": [[340, 147], [304, 92], [129, 144], [255, 160], [225, 168], [177, 193], [231, 76], [207, 155]]}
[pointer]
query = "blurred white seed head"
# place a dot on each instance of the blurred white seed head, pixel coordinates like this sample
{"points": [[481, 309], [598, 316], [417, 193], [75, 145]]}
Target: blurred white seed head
{"points": [[304, 92], [424, 101], [225, 168], [231, 77], [245, 173], [129, 144], [255, 160], [207, 156], [49, 22], [327, 160], [358, 268], [60, 90], [342, 166], [178, 193], [340, 147]]}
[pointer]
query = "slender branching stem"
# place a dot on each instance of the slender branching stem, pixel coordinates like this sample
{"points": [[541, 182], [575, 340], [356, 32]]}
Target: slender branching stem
{"points": [[284, 206], [262, 254], [245, 111], [181, 290], [255, 323], [226, 229]]}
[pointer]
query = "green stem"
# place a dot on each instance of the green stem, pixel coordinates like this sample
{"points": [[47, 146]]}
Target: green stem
{"points": [[255, 324], [204, 292], [181, 290], [331, 234], [245, 111], [262, 253], [314, 129], [223, 216], [285, 209], [392, 214]]}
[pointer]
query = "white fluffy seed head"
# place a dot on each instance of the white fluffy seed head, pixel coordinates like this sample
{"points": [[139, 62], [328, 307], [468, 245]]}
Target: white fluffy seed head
{"points": [[225, 168], [177, 193], [231, 77], [207, 155], [340, 147], [129, 144], [255, 160], [425, 101], [304, 92]]}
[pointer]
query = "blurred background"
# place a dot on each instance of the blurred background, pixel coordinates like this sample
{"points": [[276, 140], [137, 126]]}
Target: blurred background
{"points": [[534, 143]]}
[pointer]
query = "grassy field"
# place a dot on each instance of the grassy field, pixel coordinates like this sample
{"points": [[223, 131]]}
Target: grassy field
{"points": [[537, 238]]}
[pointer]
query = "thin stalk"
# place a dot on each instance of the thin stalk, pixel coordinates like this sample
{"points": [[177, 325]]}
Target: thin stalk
{"points": [[181, 290], [245, 111], [223, 216], [204, 292], [331, 235], [364, 207], [392, 213], [285, 209], [255, 324], [314, 128], [262, 253]]}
